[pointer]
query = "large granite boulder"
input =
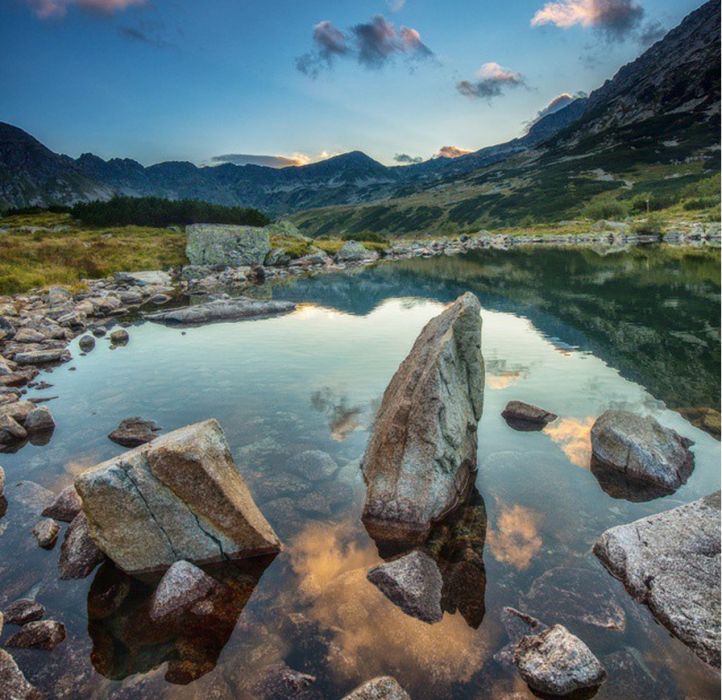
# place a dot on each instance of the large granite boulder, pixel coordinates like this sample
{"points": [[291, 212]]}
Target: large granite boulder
{"points": [[223, 244], [179, 497], [224, 310], [421, 457], [671, 562], [353, 251], [641, 450]]}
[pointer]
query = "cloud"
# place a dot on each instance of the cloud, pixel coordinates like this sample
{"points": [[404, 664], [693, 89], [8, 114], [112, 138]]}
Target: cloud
{"points": [[406, 159], [615, 19], [46, 9], [651, 33], [491, 81], [370, 43], [557, 104], [396, 5], [450, 152], [269, 161]]}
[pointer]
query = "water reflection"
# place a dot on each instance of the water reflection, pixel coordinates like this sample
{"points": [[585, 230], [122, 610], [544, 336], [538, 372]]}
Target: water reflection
{"points": [[573, 435], [515, 539], [343, 419]]}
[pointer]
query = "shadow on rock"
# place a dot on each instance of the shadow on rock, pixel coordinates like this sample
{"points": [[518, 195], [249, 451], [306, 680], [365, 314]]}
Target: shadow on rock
{"points": [[618, 486], [127, 641]]}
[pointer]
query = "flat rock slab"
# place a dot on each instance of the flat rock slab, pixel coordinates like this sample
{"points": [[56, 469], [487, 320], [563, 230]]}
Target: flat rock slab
{"points": [[671, 562], [381, 688], [134, 431], [179, 497], [240, 308], [41, 357], [558, 663], [145, 277], [413, 583], [641, 450], [43, 634], [526, 417], [421, 456]]}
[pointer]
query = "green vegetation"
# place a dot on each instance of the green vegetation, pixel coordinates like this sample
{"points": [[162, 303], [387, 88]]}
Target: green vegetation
{"points": [[154, 211]]}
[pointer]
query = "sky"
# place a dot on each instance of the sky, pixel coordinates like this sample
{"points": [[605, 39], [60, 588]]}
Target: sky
{"points": [[294, 81]]}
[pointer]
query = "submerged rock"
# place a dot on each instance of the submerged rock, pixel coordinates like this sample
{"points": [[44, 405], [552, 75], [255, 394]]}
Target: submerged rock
{"points": [[39, 420], [558, 663], [66, 505], [179, 497], [413, 583], [381, 688], [223, 310], [22, 611], [641, 449], [517, 625], [86, 343], [43, 634], [671, 562], [181, 587], [79, 554], [225, 244], [119, 336], [13, 684], [313, 465], [421, 457], [134, 431], [525, 416], [279, 682], [46, 533]]}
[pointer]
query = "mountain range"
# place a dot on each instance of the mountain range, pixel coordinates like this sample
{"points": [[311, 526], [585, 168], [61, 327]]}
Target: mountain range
{"points": [[659, 112]]}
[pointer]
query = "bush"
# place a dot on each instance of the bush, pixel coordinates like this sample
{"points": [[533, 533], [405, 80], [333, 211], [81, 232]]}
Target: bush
{"points": [[701, 203], [154, 211], [651, 226], [605, 209], [643, 203]]}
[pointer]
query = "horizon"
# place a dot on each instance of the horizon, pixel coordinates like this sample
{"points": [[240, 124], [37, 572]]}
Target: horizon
{"points": [[401, 89]]}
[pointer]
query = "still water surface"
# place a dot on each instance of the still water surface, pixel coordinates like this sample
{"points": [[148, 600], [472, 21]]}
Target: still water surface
{"points": [[575, 331]]}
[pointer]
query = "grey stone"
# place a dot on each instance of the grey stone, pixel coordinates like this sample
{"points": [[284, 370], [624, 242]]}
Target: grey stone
{"points": [[182, 586], [86, 343], [517, 625], [46, 533], [223, 244], [41, 357], [79, 554], [58, 295], [22, 611], [29, 335], [39, 420], [413, 583], [43, 634], [145, 277], [558, 663], [11, 431], [381, 688], [65, 506], [178, 497], [671, 562], [421, 457], [13, 684], [134, 431], [353, 251], [525, 416], [223, 310], [313, 465], [119, 336], [641, 449]]}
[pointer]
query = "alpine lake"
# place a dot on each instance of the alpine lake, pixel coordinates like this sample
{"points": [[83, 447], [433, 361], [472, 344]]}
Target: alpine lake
{"points": [[574, 330]]}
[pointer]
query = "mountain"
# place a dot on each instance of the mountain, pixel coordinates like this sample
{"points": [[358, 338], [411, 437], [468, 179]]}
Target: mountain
{"points": [[660, 111]]}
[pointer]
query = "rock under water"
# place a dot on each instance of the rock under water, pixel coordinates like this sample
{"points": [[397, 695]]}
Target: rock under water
{"points": [[223, 310]]}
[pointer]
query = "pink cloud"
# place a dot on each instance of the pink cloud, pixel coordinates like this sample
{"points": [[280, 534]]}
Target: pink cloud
{"points": [[451, 152], [614, 17], [46, 9]]}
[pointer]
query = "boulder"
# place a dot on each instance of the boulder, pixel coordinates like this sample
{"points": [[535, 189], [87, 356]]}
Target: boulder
{"points": [[43, 634], [134, 431], [179, 497], [79, 554], [525, 416], [41, 357], [413, 583], [65, 506], [13, 684], [517, 625], [223, 244], [641, 450], [29, 335], [671, 562], [119, 336], [144, 277], [18, 411], [381, 688], [86, 343], [223, 310], [46, 533], [22, 611], [557, 663], [353, 251], [421, 457], [182, 586], [39, 420], [11, 431]]}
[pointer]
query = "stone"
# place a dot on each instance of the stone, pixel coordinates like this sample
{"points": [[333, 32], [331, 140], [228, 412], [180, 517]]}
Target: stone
{"points": [[79, 554], [517, 625], [223, 244], [18, 410], [179, 497], [313, 465], [86, 343], [41, 357], [182, 586], [5, 367], [7, 328], [22, 611], [558, 663], [29, 335], [99, 331], [279, 682], [119, 336], [381, 688], [145, 278], [65, 506], [46, 533], [641, 450], [39, 420], [525, 416], [671, 562], [420, 460], [11, 431], [134, 431], [413, 583], [13, 684], [43, 634], [223, 310], [130, 297], [353, 251], [58, 295]]}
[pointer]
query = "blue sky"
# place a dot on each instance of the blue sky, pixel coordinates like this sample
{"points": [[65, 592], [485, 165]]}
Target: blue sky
{"points": [[189, 80]]}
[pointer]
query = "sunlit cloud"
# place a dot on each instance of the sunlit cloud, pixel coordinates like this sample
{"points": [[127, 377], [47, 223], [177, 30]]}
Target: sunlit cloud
{"points": [[614, 18], [280, 161], [503, 380], [451, 152], [573, 435], [491, 81], [515, 540], [46, 9]]}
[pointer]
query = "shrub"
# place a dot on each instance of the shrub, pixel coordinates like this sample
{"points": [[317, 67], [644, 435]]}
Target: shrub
{"points": [[605, 209], [650, 226], [701, 203]]}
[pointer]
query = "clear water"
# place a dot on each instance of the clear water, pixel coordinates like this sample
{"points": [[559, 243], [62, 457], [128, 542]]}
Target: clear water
{"points": [[575, 331]]}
